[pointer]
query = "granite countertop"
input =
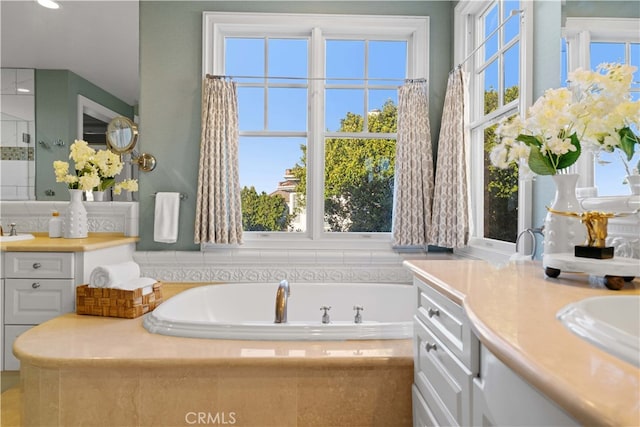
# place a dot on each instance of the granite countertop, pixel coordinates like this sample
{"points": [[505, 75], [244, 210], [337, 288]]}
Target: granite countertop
{"points": [[512, 309], [43, 243]]}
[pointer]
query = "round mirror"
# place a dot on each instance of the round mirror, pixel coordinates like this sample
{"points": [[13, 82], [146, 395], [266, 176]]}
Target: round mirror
{"points": [[122, 135]]}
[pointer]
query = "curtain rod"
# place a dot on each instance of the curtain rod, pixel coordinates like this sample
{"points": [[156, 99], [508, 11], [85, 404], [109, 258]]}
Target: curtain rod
{"points": [[514, 12], [216, 76]]}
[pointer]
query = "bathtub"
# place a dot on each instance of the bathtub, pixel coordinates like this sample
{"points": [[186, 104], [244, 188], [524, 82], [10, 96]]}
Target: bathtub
{"points": [[245, 311]]}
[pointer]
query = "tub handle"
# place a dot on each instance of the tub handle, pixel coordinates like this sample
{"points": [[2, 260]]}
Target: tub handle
{"points": [[358, 309], [428, 346], [325, 315], [433, 312]]}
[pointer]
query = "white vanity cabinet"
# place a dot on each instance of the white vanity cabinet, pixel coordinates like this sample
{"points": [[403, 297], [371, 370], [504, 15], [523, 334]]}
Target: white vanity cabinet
{"points": [[501, 398], [39, 286], [446, 359]]}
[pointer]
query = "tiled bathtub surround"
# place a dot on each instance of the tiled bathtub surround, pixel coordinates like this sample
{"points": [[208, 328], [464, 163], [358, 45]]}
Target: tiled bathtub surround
{"points": [[84, 370]]}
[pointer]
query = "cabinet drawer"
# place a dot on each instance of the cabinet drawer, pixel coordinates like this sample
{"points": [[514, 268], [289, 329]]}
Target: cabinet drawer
{"points": [[32, 301], [422, 415], [45, 265], [442, 379], [448, 322]]}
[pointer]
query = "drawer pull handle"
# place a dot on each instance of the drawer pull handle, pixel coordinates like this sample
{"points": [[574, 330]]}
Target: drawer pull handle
{"points": [[37, 265], [35, 285], [433, 312], [428, 346]]}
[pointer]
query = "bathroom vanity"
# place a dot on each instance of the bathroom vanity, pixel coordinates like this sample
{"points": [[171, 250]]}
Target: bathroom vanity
{"points": [[489, 350], [39, 277]]}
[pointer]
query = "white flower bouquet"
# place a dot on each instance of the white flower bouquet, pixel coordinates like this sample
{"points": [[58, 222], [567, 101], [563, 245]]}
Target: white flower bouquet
{"points": [[94, 170], [596, 112]]}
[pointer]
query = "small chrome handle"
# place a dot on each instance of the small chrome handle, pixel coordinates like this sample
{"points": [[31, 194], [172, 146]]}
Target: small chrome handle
{"points": [[35, 285], [325, 315], [433, 312], [428, 346], [37, 265], [358, 317]]}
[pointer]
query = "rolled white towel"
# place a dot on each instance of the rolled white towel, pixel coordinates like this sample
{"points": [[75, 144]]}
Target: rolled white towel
{"points": [[112, 275]]}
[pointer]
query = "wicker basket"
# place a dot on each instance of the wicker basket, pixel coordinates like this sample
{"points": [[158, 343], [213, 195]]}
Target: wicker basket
{"points": [[116, 302]]}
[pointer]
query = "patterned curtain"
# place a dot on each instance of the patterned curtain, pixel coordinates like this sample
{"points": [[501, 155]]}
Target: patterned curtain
{"points": [[450, 220], [414, 167], [218, 207]]}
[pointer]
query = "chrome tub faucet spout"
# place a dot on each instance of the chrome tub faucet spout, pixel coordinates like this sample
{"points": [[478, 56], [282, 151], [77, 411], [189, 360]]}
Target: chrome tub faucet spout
{"points": [[282, 295]]}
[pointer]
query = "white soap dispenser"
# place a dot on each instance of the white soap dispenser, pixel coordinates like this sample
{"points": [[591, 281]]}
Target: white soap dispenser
{"points": [[55, 225]]}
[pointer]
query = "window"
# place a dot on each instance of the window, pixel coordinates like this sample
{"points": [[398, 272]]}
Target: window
{"points": [[317, 99], [590, 42], [490, 42]]}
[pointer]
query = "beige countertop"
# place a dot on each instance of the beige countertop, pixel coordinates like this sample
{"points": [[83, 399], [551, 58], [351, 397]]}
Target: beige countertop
{"points": [[512, 309], [43, 243]]}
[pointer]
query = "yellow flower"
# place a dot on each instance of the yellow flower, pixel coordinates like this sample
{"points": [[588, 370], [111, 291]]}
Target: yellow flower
{"points": [[81, 153], [129, 185]]}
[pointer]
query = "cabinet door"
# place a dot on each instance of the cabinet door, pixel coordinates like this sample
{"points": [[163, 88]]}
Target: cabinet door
{"points": [[32, 301], [11, 363], [44, 265]]}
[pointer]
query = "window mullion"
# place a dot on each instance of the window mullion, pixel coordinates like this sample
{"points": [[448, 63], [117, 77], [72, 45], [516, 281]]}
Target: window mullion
{"points": [[315, 145]]}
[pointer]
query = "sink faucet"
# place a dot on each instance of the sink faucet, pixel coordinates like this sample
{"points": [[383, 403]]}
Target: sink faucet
{"points": [[281, 302], [13, 231]]}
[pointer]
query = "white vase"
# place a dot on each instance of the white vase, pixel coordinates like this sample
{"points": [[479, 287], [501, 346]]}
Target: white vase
{"points": [[563, 233], [634, 183], [75, 217], [98, 196]]}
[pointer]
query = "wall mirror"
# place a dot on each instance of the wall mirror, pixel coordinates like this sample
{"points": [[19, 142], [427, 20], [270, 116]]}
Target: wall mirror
{"points": [[122, 135], [91, 62]]}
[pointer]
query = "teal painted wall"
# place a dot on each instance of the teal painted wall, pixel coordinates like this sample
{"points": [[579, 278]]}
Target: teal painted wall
{"points": [[171, 67], [170, 95], [57, 118]]}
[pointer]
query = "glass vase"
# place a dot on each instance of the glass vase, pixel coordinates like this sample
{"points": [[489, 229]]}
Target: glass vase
{"points": [[563, 233], [75, 217]]}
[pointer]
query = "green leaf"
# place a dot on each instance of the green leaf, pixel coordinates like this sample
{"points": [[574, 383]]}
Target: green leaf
{"points": [[571, 157], [540, 164], [530, 140], [627, 141]]}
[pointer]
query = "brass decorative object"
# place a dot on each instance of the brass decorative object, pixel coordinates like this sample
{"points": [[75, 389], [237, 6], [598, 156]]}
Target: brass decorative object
{"points": [[596, 223]]}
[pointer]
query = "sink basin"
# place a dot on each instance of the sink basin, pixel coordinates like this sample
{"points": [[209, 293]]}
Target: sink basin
{"points": [[609, 322], [4, 239]]}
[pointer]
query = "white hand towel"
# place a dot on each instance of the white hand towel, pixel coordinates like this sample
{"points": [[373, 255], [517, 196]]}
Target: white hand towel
{"points": [[140, 282], [166, 217], [107, 276]]}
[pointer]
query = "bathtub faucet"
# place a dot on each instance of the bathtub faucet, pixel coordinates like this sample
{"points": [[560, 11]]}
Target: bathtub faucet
{"points": [[282, 295]]}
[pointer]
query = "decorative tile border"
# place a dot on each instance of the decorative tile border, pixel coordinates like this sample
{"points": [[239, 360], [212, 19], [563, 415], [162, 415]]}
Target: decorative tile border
{"points": [[17, 153], [182, 266], [116, 217]]}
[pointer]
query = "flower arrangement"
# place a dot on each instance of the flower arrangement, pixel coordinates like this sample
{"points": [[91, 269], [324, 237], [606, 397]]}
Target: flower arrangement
{"points": [[94, 170], [596, 113]]}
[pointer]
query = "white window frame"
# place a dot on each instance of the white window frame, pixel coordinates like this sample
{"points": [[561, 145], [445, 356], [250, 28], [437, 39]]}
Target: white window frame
{"points": [[579, 33], [466, 16], [415, 30]]}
